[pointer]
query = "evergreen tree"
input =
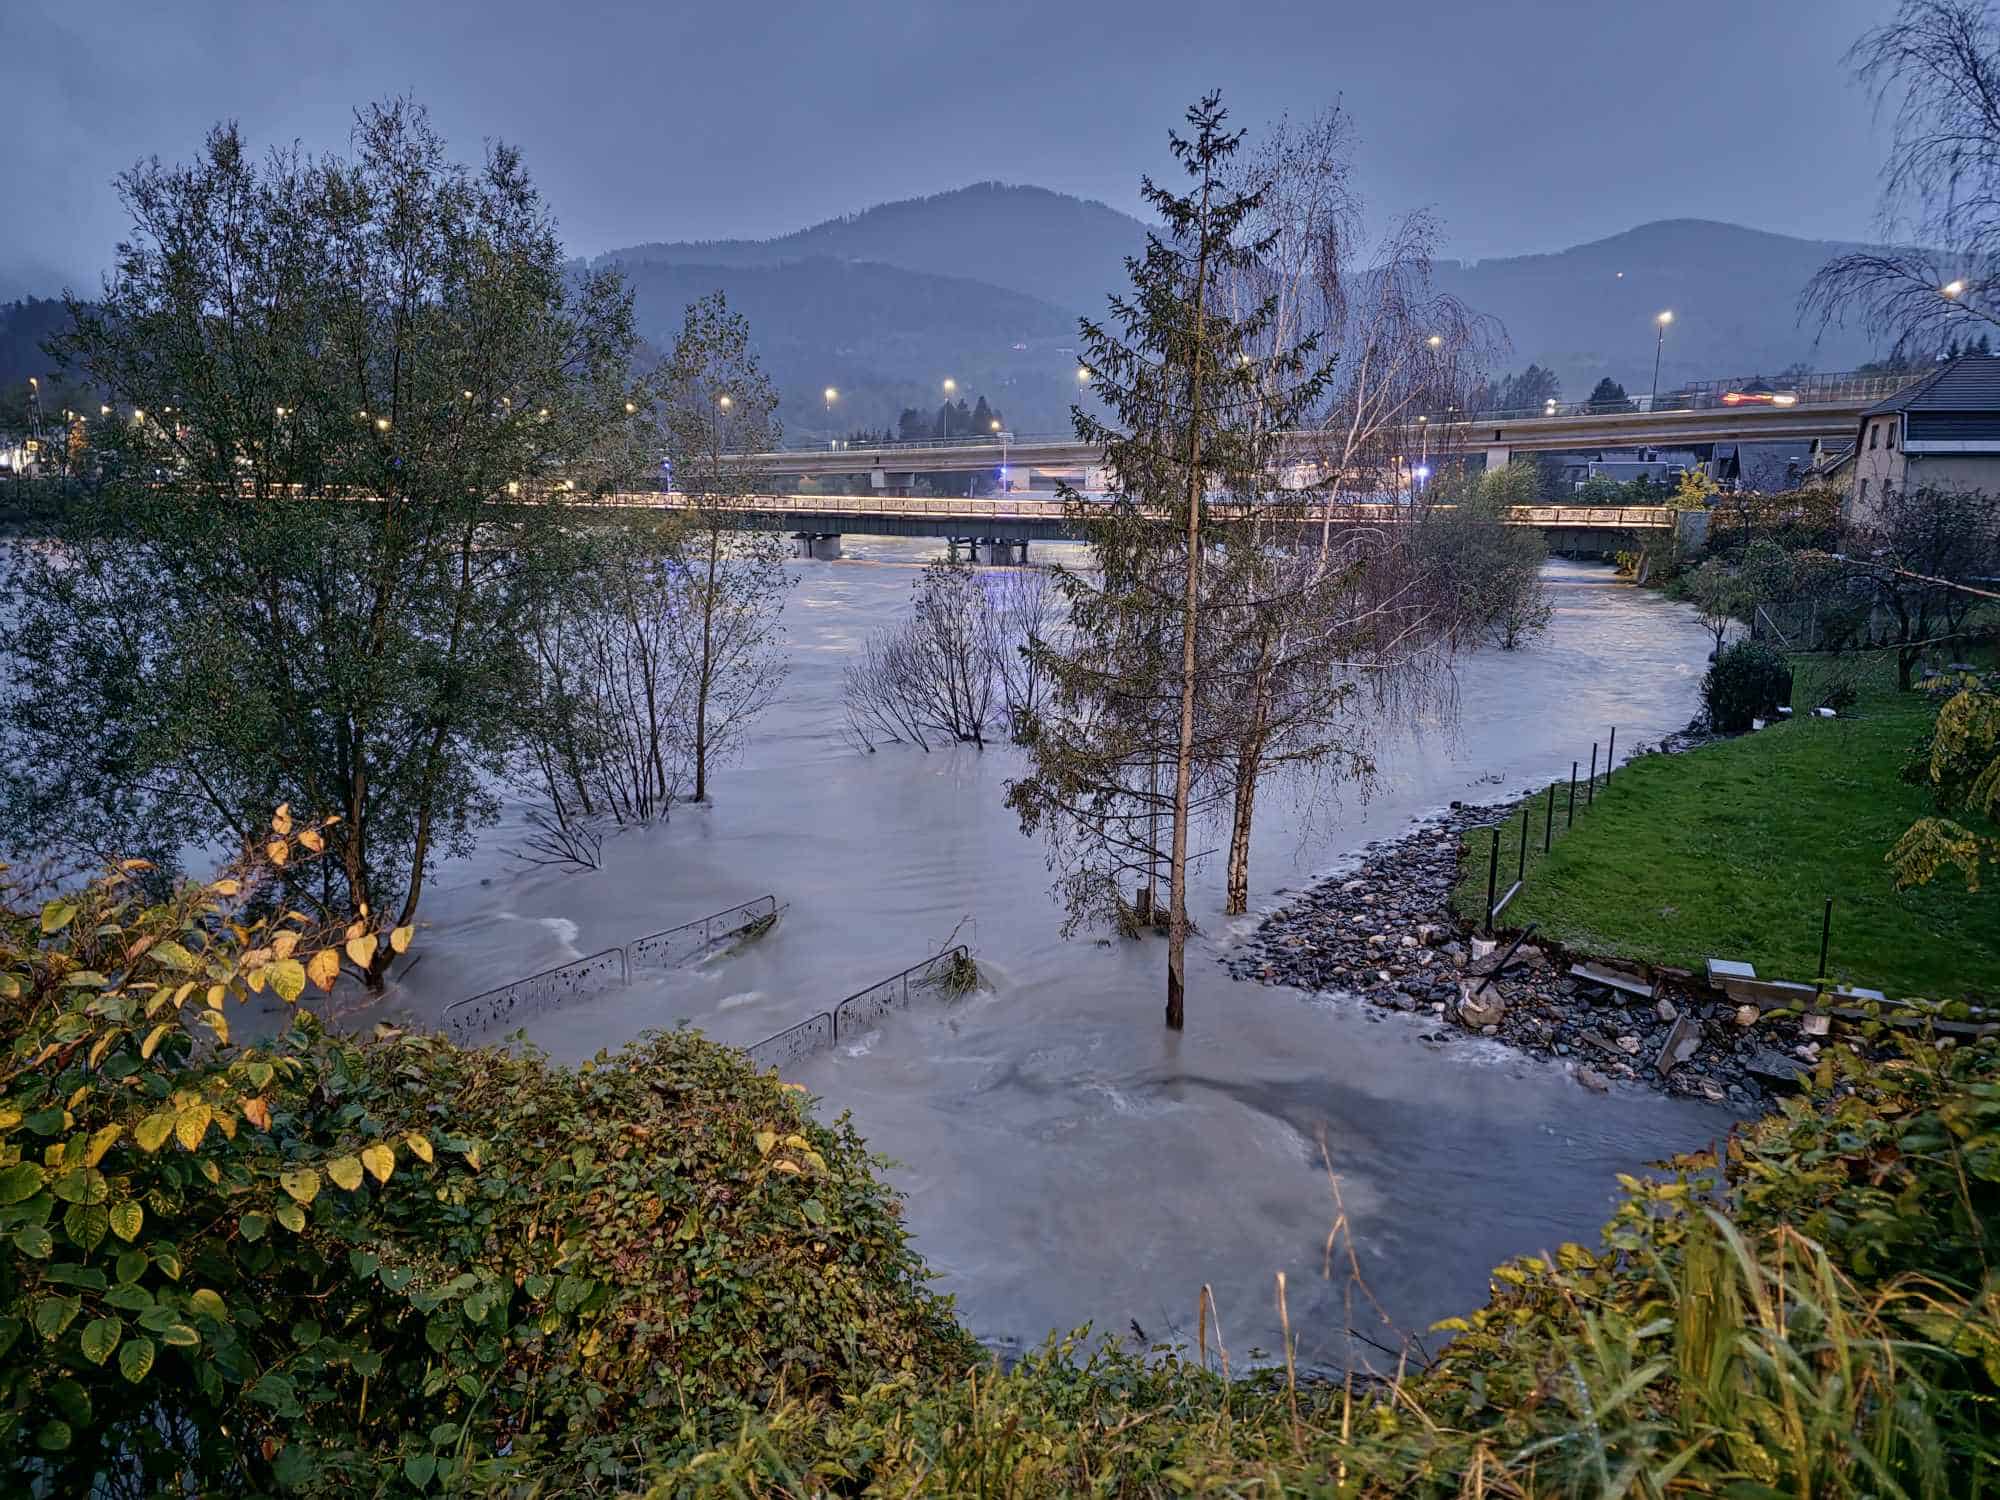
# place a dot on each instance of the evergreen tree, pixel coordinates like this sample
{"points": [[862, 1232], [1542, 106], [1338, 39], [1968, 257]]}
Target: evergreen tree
{"points": [[1136, 691], [984, 419], [1609, 395]]}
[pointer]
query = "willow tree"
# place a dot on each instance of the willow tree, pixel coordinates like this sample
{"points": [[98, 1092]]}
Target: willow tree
{"points": [[298, 578], [1195, 416], [719, 410]]}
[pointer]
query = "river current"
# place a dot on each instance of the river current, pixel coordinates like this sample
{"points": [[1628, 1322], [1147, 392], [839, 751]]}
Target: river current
{"points": [[1063, 1158]]}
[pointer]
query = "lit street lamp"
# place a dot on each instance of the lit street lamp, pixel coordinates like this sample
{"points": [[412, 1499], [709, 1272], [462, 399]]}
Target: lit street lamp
{"points": [[1663, 320], [1950, 290], [1006, 484], [832, 437]]}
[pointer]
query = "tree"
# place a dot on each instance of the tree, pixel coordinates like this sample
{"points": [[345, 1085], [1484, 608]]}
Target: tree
{"points": [[296, 577], [1198, 413], [731, 581], [1935, 66], [1719, 596], [1022, 624], [1961, 766], [932, 674], [1924, 547], [1609, 395]]}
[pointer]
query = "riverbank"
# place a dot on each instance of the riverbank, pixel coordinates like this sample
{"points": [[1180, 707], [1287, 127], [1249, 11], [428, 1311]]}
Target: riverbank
{"points": [[1385, 934]]}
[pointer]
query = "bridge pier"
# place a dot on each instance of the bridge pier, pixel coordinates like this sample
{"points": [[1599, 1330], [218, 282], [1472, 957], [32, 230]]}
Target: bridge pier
{"points": [[824, 546], [987, 551]]}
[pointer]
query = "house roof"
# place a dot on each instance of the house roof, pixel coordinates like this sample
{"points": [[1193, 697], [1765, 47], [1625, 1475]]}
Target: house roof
{"points": [[1970, 383]]}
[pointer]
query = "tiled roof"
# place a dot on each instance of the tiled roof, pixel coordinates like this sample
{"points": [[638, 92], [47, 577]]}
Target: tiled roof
{"points": [[1969, 383]]}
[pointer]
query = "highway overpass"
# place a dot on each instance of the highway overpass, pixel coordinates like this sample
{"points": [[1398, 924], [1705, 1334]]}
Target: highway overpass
{"points": [[1826, 407]]}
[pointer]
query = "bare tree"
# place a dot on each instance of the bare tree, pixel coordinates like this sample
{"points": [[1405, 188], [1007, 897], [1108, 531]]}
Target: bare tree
{"points": [[1923, 545], [1935, 69], [931, 675], [1023, 611], [731, 580]]}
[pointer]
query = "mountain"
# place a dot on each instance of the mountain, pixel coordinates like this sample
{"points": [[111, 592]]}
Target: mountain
{"points": [[883, 336], [1062, 250], [1591, 310]]}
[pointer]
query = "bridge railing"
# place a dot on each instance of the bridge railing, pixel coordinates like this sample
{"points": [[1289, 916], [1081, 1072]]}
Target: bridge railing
{"points": [[858, 1011]]}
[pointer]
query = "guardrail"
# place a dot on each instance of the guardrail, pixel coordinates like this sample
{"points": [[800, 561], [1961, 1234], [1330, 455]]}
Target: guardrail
{"points": [[591, 975], [860, 1009]]}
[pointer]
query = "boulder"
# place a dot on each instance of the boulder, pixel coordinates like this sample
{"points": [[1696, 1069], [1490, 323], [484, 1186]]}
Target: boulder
{"points": [[1477, 1009]]}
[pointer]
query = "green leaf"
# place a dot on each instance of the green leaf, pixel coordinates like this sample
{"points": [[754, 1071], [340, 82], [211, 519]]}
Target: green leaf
{"points": [[130, 1298], [135, 1359], [288, 979], [253, 1226], [274, 1390], [54, 1314], [172, 955], [209, 1304], [179, 1335], [151, 1133], [19, 1182], [291, 1216], [57, 915], [84, 1185], [126, 1219], [55, 1436], [131, 1265], [35, 1240], [100, 1337], [814, 1211], [68, 1273], [419, 1467], [86, 1226]]}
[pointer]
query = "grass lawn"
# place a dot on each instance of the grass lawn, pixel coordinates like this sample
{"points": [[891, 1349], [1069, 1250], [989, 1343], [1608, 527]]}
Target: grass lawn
{"points": [[1731, 850]]}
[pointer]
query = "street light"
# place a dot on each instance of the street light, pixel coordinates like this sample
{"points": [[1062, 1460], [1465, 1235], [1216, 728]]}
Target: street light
{"points": [[1436, 341], [723, 402], [1083, 374], [1951, 289], [1663, 320], [832, 437]]}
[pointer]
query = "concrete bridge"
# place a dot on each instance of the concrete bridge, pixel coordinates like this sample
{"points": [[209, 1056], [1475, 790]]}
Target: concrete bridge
{"points": [[1824, 407], [999, 529]]}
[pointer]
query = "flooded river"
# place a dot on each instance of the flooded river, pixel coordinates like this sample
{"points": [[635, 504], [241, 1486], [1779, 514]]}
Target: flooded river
{"points": [[1064, 1159]]}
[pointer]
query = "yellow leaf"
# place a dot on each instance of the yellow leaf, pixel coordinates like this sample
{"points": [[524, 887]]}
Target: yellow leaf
{"points": [[361, 950], [216, 995], [791, 1168], [288, 979], [324, 968], [100, 1143], [399, 940], [255, 979], [219, 1024], [309, 839], [276, 852], [191, 1124], [766, 1139], [226, 887], [148, 1047], [257, 1112], [301, 1184], [281, 820], [379, 1160], [420, 1146], [345, 1172], [151, 1133], [283, 942]]}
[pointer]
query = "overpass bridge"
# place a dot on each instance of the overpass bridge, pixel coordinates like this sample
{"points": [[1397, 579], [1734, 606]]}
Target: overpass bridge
{"points": [[999, 529], [1824, 407]]}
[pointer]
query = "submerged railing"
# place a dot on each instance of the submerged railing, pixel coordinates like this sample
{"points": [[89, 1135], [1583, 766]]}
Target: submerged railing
{"points": [[858, 1011], [597, 972]]}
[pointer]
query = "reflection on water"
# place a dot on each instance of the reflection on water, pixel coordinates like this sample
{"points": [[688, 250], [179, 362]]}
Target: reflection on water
{"points": [[1065, 1158]]}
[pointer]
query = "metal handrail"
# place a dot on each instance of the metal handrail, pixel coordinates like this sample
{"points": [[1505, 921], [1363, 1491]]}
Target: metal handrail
{"points": [[784, 1046], [756, 910]]}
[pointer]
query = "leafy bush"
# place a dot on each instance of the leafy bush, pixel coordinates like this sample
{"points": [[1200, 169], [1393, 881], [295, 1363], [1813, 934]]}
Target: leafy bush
{"points": [[395, 1264], [1840, 695], [1747, 681]]}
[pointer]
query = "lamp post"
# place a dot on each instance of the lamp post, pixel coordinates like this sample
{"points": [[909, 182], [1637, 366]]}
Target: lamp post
{"points": [[1006, 484], [832, 437], [1659, 345]]}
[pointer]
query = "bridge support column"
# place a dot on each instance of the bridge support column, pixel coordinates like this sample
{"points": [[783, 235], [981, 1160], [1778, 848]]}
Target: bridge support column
{"points": [[1498, 456], [822, 546], [998, 552]]}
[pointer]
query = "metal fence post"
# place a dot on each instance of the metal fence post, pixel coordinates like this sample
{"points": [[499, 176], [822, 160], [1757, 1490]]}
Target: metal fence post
{"points": [[1549, 820], [1572, 796], [1590, 786], [1825, 935], [1492, 877], [1521, 866], [1611, 755]]}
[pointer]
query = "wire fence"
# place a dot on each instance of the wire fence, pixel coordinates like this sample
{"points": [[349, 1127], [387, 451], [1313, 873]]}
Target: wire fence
{"points": [[1541, 818], [608, 969], [860, 1010]]}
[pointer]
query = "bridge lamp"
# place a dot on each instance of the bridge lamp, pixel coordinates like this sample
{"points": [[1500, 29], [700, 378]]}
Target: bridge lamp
{"points": [[950, 385], [630, 408], [723, 402], [1659, 345], [104, 411], [1549, 407], [1083, 375], [1951, 290], [1436, 341], [381, 424]]}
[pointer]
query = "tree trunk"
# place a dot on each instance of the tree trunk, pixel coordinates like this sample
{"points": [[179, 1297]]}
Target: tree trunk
{"points": [[1177, 922], [1249, 764]]}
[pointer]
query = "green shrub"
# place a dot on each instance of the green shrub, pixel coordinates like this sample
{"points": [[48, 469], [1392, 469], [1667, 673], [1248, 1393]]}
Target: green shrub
{"points": [[396, 1264], [1840, 694], [1747, 681]]}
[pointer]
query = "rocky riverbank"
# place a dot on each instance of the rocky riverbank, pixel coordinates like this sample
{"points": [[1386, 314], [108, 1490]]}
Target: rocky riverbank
{"points": [[1384, 934]]}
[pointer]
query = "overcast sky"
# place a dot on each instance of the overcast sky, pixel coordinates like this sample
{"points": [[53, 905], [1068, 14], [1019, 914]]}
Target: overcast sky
{"points": [[1529, 126]]}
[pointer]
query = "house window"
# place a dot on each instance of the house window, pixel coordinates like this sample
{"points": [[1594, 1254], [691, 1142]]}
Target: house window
{"points": [[1874, 435], [1889, 435], [1864, 492]]}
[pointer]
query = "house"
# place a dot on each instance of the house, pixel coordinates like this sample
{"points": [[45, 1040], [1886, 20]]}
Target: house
{"points": [[1941, 433]]}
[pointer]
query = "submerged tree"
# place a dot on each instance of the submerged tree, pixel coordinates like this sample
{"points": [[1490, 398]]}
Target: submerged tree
{"points": [[297, 579], [1199, 394], [719, 407]]}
